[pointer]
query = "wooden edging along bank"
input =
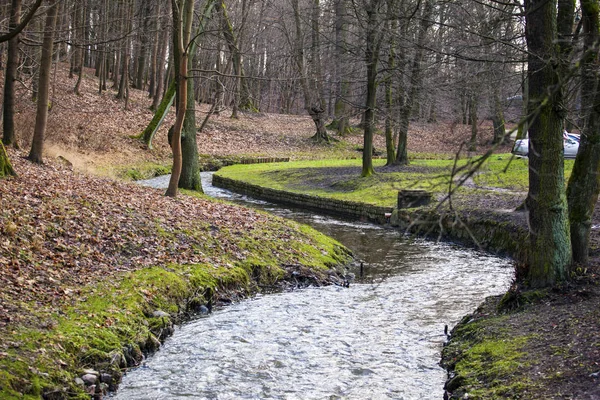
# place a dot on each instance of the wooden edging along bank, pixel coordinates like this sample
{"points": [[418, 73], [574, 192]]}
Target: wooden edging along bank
{"points": [[499, 232]]}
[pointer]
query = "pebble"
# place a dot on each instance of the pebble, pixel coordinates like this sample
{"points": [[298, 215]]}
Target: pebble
{"points": [[89, 379], [160, 314], [91, 389], [106, 378], [79, 381]]}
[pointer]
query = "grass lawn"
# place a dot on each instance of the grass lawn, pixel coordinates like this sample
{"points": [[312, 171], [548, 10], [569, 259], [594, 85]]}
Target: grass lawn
{"points": [[340, 179]]}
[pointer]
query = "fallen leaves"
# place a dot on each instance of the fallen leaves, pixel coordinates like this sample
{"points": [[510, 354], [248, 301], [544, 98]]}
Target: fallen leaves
{"points": [[62, 230]]}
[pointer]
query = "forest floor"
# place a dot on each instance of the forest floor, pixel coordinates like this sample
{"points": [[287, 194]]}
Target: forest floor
{"points": [[556, 345]]}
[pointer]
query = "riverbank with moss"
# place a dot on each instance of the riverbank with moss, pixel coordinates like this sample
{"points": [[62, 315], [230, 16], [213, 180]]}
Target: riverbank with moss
{"points": [[526, 345], [95, 273]]}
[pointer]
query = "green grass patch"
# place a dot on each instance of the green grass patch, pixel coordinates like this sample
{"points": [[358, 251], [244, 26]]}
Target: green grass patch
{"points": [[141, 171], [487, 359], [340, 179]]}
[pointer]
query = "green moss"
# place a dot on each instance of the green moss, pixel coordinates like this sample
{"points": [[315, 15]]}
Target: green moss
{"points": [[143, 171], [116, 319], [486, 357]]}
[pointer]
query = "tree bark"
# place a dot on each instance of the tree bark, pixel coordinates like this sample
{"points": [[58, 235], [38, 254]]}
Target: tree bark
{"points": [[6, 168], [550, 244], [12, 62], [312, 102], [41, 118], [181, 19], [584, 184], [372, 56], [416, 78]]}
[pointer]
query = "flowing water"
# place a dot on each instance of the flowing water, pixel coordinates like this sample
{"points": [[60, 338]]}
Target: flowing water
{"points": [[378, 339]]}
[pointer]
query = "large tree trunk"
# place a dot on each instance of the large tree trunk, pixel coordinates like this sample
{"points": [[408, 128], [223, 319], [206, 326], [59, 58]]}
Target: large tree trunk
{"points": [[12, 62], [312, 102], [584, 184], [181, 38], [372, 57], [245, 101], [37, 146], [190, 170], [550, 245]]}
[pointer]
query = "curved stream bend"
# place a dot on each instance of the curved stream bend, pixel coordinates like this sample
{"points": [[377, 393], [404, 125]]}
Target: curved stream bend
{"points": [[379, 339]]}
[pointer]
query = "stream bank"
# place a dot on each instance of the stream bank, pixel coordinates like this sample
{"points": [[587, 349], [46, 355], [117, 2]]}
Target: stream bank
{"points": [[94, 272], [539, 344]]}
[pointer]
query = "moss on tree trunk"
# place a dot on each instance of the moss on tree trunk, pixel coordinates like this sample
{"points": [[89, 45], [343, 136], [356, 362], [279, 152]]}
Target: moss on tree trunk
{"points": [[6, 168]]}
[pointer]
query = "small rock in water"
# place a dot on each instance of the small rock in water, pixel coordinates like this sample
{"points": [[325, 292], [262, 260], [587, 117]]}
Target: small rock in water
{"points": [[106, 378], [89, 379], [91, 389], [204, 310]]}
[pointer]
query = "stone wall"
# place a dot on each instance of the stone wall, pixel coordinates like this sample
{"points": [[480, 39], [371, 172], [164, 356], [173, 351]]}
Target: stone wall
{"points": [[362, 211], [499, 232]]}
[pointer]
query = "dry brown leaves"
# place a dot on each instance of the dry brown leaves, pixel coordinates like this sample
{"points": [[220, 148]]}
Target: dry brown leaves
{"points": [[61, 230]]}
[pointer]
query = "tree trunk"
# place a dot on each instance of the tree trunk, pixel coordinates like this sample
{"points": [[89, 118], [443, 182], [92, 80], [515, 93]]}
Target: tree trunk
{"points": [[6, 168], [550, 250], [312, 103], [372, 57], [498, 119], [389, 93], [245, 101], [584, 184], [190, 170], [160, 75], [12, 62], [473, 120], [340, 120], [181, 20], [37, 146], [416, 78]]}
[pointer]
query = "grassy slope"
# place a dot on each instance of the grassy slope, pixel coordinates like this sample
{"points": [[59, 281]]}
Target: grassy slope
{"points": [[85, 262]]}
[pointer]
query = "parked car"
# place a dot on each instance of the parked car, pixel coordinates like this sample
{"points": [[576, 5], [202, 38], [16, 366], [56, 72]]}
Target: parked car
{"points": [[570, 141]]}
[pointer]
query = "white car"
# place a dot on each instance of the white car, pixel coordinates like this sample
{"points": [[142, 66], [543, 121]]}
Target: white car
{"points": [[570, 141]]}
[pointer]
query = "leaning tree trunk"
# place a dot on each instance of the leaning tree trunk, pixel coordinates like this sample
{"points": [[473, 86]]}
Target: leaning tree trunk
{"points": [[584, 184], [550, 244], [41, 118], [12, 62]]}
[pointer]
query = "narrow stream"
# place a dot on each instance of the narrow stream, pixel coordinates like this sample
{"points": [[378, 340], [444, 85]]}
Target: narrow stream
{"points": [[379, 339]]}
